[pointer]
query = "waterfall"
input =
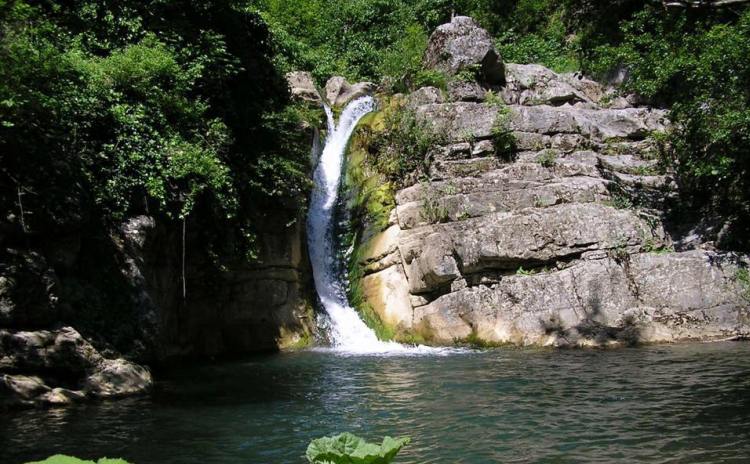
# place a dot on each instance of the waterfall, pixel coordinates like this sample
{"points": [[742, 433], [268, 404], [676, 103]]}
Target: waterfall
{"points": [[347, 331]]}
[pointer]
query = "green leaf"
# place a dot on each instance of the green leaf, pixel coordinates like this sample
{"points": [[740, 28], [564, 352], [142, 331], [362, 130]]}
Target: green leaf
{"points": [[62, 459], [348, 448]]}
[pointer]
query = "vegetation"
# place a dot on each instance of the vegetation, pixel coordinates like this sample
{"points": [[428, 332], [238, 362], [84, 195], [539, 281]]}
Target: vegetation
{"points": [[547, 158], [743, 277], [400, 144], [109, 110], [347, 448], [62, 459], [690, 59]]}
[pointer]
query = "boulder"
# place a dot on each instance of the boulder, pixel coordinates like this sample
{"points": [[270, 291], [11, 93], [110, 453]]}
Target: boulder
{"points": [[460, 90], [54, 367], [532, 84], [424, 96], [302, 86], [459, 121], [461, 44], [596, 124], [339, 92], [387, 291], [118, 377]]}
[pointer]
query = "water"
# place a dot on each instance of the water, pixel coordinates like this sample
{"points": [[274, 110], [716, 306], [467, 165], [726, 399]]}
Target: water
{"points": [[665, 404], [345, 329]]}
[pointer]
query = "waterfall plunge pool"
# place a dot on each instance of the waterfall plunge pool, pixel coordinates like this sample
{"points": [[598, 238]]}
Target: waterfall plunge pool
{"points": [[665, 404]]}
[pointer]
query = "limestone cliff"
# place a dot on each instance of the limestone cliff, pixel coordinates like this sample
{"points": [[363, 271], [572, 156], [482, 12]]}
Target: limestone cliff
{"points": [[562, 243]]}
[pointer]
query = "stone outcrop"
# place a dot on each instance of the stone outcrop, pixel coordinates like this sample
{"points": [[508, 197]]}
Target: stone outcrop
{"points": [[302, 86], [462, 44], [562, 245], [58, 367], [339, 92]]}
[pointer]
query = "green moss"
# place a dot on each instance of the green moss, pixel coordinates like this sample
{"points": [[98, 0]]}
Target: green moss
{"points": [[475, 341]]}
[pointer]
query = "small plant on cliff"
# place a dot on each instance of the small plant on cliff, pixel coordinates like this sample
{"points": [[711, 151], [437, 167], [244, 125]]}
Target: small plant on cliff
{"points": [[547, 158], [401, 147], [433, 209], [469, 74], [502, 136], [743, 278], [347, 448], [524, 272]]}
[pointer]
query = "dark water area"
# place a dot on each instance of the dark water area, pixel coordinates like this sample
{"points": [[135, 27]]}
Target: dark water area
{"points": [[659, 404]]}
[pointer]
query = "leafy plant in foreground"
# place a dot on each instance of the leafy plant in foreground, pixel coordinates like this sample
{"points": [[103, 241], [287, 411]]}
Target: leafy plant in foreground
{"points": [[62, 459], [347, 448]]}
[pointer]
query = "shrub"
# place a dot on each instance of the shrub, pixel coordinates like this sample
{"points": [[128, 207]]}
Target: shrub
{"points": [[401, 145]]}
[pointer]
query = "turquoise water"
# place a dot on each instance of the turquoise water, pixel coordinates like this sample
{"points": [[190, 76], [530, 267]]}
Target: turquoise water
{"points": [[663, 404]]}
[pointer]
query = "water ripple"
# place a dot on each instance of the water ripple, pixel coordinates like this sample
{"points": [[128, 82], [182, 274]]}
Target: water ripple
{"points": [[666, 404]]}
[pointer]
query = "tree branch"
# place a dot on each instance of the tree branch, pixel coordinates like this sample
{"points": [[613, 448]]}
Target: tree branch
{"points": [[700, 3]]}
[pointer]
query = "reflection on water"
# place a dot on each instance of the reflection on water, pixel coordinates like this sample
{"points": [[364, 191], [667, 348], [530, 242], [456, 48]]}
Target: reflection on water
{"points": [[687, 403]]}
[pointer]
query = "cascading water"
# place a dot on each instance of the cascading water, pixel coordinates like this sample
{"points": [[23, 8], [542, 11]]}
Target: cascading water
{"points": [[347, 331]]}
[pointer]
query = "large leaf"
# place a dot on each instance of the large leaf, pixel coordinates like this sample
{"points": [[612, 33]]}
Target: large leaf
{"points": [[348, 448], [62, 459]]}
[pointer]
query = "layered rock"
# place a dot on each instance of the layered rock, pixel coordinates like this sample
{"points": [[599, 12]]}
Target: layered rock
{"points": [[562, 245]]}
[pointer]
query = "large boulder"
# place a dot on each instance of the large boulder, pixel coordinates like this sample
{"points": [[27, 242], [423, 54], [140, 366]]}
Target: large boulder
{"points": [[302, 86], [461, 44], [339, 92], [51, 367]]}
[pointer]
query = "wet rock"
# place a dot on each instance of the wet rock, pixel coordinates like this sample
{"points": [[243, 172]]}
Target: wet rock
{"points": [[461, 44], [55, 367], [388, 294], [118, 377]]}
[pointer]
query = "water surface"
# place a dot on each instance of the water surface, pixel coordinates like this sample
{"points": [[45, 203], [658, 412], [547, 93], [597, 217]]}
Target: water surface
{"points": [[663, 404]]}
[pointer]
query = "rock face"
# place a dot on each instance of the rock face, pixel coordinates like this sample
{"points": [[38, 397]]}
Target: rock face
{"points": [[563, 245], [339, 92], [461, 44], [257, 306], [58, 367], [55, 349]]}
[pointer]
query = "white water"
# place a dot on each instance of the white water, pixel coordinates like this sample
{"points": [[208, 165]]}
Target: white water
{"points": [[346, 330]]}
